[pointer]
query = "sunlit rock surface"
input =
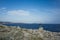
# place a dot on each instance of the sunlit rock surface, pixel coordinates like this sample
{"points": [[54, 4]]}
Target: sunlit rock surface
{"points": [[17, 33]]}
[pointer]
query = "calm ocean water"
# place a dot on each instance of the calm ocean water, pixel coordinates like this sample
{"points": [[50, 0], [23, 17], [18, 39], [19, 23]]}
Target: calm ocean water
{"points": [[49, 27]]}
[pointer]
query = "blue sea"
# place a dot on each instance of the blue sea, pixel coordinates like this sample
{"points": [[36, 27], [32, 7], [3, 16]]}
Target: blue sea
{"points": [[49, 27]]}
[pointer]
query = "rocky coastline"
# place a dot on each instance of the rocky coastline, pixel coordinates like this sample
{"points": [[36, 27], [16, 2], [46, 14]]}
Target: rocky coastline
{"points": [[17, 33]]}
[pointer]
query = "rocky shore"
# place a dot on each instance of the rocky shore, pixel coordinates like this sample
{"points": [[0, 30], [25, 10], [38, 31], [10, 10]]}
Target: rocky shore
{"points": [[17, 33]]}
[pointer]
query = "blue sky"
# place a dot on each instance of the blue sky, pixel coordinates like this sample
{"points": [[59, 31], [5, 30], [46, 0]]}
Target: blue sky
{"points": [[30, 11]]}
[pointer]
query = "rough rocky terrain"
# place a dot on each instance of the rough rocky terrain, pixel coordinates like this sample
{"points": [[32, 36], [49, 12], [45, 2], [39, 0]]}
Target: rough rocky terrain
{"points": [[17, 33]]}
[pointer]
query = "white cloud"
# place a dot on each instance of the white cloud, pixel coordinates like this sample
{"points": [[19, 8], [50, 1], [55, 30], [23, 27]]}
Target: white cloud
{"points": [[19, 12], [30, 16], [2, 8]]}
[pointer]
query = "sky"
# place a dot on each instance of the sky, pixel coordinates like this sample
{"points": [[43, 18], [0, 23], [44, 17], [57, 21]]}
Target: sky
{"points": [[30, 11]]}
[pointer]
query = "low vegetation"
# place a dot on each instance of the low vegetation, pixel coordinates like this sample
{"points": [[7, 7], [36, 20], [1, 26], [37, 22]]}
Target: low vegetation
{"points": [[17, 33]]}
